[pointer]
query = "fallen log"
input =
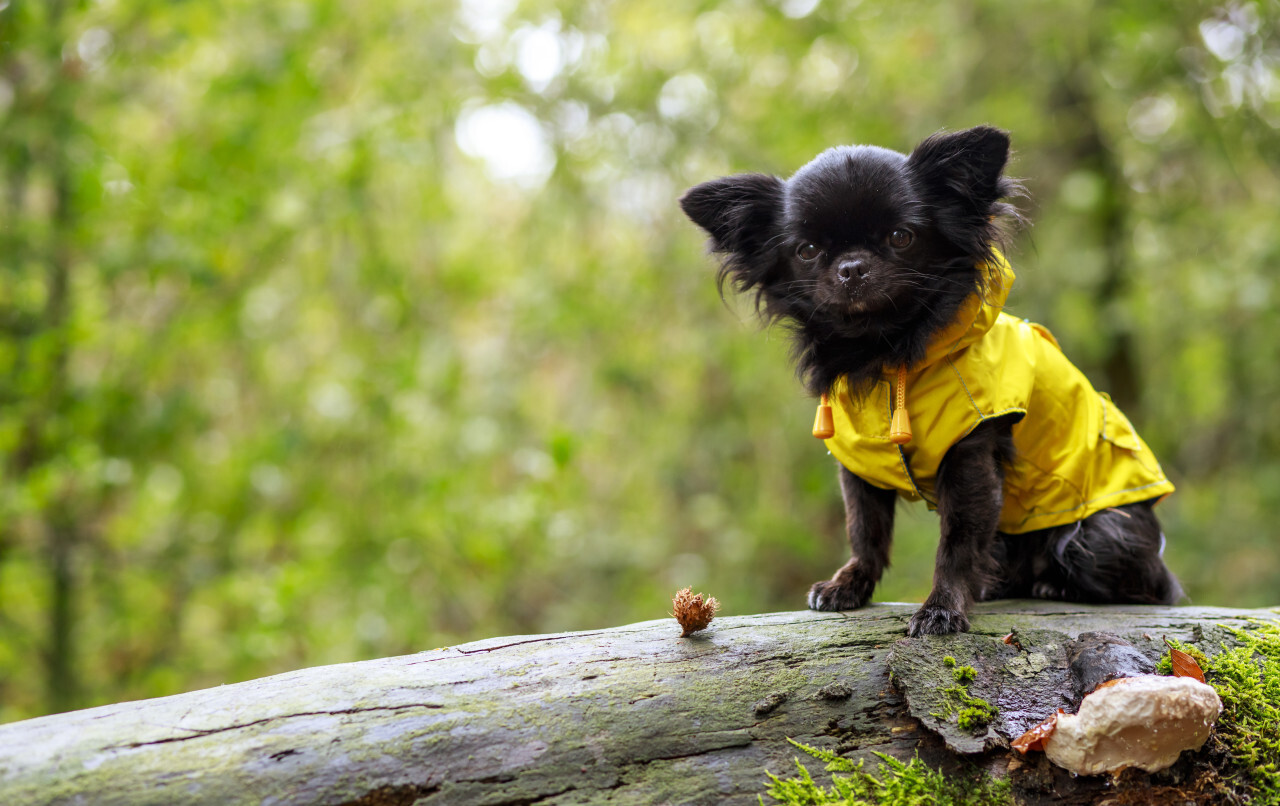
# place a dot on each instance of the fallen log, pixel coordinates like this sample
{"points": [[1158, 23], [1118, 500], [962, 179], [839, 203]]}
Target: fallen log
{"points": [[634, 714]]}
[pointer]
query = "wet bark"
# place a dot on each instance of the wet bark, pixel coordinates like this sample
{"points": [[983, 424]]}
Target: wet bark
{"points": [[633, 714]]}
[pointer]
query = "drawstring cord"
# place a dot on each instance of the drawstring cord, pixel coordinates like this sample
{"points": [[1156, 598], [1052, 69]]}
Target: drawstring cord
{"points": [[824, 426], [900, 425]]}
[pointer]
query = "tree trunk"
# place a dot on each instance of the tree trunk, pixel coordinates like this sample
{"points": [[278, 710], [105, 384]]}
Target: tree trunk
{"points": [[633, 714]]}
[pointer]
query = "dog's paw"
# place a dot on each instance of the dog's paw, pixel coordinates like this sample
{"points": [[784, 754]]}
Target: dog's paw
{"points": [[1045, 590], [833, 595], [932, 619]]}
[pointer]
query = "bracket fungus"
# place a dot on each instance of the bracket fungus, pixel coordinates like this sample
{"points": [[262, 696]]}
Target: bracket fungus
{"points": [[1144, 722]]}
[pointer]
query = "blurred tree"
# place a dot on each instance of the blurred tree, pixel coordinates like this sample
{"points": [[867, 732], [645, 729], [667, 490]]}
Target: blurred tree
{"points": [[43, 209], [331, 330]]}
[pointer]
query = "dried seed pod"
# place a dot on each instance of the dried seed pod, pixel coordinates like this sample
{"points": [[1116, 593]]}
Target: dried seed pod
{"points": [[1143, 722], [692, 611]]}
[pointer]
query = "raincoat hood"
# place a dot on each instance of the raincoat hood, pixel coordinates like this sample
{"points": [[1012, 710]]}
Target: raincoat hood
{"points": [[977, 314]]}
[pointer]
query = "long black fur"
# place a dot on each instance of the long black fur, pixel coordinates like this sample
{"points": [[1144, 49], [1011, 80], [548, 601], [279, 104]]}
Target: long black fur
{"points": [[824, 253]]}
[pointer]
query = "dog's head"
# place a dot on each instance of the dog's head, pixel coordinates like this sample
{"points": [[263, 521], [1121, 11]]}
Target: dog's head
{"points": [[863, 245]]}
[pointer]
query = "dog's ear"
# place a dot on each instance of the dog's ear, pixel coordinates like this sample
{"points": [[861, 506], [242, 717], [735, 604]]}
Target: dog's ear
{"points": [[738, 212], [964, 166], [741, 214]]}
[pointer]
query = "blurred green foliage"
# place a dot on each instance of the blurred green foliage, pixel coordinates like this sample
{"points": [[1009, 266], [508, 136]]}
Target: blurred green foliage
{"points": [[331, 330]]}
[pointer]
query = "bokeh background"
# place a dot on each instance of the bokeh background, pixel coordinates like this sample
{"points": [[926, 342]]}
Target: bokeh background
{"points": [[332, 330]]}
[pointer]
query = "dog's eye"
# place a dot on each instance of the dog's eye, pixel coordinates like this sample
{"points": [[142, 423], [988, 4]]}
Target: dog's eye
{"points": [[808, 251], [901, 238]]}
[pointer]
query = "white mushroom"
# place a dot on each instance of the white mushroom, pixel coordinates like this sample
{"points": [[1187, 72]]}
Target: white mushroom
{"points": [[1143, 722]]}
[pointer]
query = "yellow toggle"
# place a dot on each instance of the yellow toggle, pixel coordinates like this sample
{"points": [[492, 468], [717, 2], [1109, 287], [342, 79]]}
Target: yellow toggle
{"points": [[824, 424]]}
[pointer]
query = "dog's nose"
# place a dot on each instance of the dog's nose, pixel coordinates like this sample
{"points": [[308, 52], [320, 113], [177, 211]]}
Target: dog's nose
{"points": [[848, 268]]}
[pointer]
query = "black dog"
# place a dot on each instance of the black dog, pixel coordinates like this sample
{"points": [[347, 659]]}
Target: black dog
{"points": [[888, 270]]}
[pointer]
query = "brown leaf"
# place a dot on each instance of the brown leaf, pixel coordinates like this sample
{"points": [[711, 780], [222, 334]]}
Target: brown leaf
{"points": [[1012, 640], [692, 611], [1183, 664], [1034, 738]]}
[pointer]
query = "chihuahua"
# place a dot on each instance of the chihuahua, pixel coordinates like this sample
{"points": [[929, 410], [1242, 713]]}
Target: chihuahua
{"points": [[888, 269]]}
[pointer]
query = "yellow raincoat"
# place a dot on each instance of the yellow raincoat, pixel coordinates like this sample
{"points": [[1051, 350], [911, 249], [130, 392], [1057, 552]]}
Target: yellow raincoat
{"points": [[1076, 452]]}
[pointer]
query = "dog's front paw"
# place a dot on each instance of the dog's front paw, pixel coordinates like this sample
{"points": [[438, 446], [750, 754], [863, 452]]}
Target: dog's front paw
{"points": [[935, 619], [834, 594]]}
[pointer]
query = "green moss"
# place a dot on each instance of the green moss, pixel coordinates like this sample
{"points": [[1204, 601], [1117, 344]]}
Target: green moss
{"points": [[893, 784], [964, 674], [977, 716], [971, 713], [1247, 678]]}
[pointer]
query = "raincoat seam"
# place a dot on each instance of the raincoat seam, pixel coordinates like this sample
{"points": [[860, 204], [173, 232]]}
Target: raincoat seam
{"points": [[1092, 501], [965, 386]]}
